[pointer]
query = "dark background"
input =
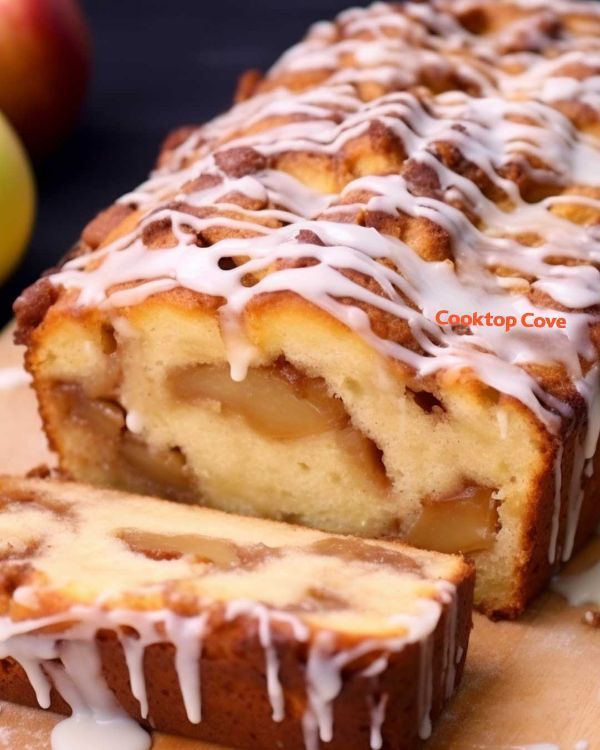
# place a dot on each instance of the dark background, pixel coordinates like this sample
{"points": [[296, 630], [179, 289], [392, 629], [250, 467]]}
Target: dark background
{"points": [[157, 64]]}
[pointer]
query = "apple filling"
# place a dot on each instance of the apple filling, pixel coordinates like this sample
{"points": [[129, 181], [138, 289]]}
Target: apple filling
{"points": [[280, 403], [463, 522], [220, 552], [216, 552], [276, 406], [356, 550], [133, 464]]}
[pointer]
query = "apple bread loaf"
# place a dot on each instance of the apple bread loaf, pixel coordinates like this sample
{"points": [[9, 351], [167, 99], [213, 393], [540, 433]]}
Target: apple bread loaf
{"points": [[365, 299], [234, 630]]}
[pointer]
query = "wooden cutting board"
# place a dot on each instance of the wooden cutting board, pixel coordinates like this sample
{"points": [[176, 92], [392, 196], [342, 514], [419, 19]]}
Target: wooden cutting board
{"points": [[533, 681]]}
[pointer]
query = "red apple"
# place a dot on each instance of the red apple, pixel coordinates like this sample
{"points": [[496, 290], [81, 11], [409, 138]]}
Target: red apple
{"points": [[44, 68]]}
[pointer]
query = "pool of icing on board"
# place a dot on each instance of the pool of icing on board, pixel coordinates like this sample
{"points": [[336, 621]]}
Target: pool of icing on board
{"points": [[580, 588], [13, 377]]}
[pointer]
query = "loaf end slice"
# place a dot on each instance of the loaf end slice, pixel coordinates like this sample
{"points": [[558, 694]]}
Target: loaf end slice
{"points": [[243, 632]]}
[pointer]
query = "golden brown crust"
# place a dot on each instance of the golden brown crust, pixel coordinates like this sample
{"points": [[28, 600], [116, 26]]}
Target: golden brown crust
{"points": [[173, 140], [31, 307], [248, 84], [97, 230]]}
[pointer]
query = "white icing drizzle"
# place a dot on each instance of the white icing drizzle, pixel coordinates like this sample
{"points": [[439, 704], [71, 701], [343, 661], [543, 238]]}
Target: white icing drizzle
{"points": [[69, 659], [134, 649], [325, 665], [187, 634], [377, 714], [450, 650], [425, 687], [502, 419], [510, 118], [580, 588], [575, 500], [13, 377], [583, 457], [264, 616], [134, 421], [552, 549]]}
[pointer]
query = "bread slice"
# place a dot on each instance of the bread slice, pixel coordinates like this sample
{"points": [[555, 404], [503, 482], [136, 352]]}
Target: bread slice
{"points": [[243, 632], [257, 327]]}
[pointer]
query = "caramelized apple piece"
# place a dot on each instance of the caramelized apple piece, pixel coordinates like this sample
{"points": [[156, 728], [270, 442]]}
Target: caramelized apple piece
{"points": [[135, 465], [320, 599], [464, 522], [357, 550], [271, 404], [162, 470], [366, 455], [103, 416], [220, 552], [281, 403]]}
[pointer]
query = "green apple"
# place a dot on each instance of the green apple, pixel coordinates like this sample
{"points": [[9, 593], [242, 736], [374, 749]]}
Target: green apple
{"points": [[17, 199]]}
